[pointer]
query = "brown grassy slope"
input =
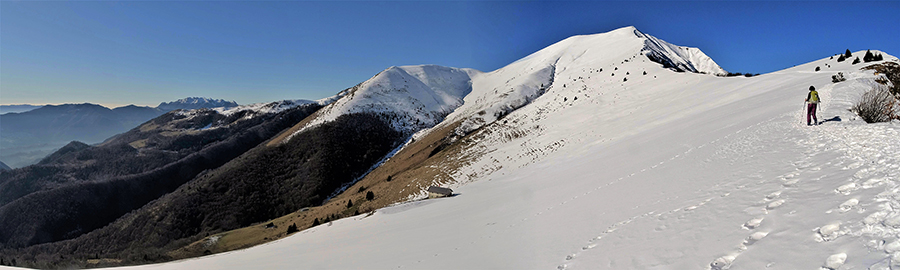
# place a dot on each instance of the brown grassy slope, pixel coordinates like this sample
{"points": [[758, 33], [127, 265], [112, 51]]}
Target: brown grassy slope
{"points": [[430, 160], [891, 72], [411, 170]]}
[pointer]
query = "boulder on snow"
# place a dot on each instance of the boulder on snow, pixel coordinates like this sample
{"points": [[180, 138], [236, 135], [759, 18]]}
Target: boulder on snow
{"points": [[439, 192]]}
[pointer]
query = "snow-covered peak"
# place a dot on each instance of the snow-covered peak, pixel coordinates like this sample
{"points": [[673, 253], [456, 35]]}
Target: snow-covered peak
{"points": [[627, 41], [413, 97], [190, 103], [199, 100], [497, 93], [265, 107]]}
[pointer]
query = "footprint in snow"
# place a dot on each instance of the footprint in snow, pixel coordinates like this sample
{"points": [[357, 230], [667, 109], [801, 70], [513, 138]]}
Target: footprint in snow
{"points": [[892, 247], [791, 182], [846, 188], [755, 237], [753, 223], [835, 261], [848, 205], [774, 204], [723, 262], [790, 175], [874, 182], [828, 232]]}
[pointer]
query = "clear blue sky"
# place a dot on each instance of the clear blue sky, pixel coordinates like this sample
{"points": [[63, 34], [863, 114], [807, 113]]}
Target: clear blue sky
{"points": [[117, 53]]}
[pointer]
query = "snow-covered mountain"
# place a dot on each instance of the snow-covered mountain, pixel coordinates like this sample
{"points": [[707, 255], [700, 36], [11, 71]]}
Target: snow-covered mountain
{"points": [[266, 107], [191, 103], [565, 65], [410, 97], [608, 151], [418, 97]]}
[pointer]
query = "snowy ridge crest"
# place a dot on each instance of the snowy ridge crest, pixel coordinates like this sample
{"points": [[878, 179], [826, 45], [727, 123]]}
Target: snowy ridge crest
{"points": [[677, 57]]}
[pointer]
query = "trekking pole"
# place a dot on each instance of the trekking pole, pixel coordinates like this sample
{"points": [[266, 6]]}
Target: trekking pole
{"points": [[804, 111]]}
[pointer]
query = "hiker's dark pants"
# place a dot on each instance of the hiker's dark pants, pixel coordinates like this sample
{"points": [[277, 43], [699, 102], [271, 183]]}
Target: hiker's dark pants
{"points": [[811, 112]]}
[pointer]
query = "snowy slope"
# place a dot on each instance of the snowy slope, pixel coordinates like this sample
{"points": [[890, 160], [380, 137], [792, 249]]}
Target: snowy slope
{"points": [[665, 170], [413, 97]]}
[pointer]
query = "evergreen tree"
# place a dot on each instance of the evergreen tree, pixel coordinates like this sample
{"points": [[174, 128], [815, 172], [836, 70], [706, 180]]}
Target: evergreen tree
{"points": [[349, 203], [316, 222], [868, 57], [856, 61], [847, 54], [370, 196], [841, 58]]}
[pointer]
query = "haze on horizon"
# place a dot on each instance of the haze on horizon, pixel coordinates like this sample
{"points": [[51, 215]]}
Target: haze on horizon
{"points": [[144, 53]]}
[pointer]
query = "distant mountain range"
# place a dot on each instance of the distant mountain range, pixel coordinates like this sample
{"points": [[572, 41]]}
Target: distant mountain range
{"points": [[36, 131], [17, 108], [130, 169]]}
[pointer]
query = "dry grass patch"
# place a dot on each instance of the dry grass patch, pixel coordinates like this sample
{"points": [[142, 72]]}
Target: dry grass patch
{"points": [[290, 131], [403, 176]]}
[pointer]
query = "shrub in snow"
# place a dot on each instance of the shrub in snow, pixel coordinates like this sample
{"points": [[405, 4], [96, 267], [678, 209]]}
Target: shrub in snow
{"points": [[817, 69], [838, 77], [856, 61], [877, 105]]}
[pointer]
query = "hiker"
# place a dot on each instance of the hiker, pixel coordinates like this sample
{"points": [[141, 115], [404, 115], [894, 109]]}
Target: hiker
{"points": [[813, 101]]}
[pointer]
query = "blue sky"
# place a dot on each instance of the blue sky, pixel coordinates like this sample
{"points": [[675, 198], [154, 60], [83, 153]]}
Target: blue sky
{"points": [[146, 52]]}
